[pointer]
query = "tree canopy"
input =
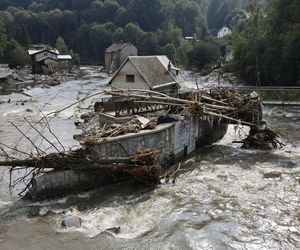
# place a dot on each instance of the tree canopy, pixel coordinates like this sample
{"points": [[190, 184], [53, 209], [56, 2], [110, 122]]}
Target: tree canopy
{"points": [[268, 51], [265, 40]]}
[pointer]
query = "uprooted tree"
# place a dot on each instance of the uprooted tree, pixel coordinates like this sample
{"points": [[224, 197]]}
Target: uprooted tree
{"points": [[222, 105]]}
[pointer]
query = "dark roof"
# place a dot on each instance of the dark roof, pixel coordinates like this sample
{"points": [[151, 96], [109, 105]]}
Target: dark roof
{"points": [[45, 58], [117, 46]]}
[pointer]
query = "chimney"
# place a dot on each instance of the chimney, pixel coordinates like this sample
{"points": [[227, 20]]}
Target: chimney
{"points": [[169, 66]]}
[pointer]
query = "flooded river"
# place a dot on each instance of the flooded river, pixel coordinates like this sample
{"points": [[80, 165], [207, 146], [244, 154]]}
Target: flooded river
{"points": [[222, 201]]}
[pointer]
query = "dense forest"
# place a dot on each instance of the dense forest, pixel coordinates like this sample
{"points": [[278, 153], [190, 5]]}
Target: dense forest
{"points": [[265, 33]]}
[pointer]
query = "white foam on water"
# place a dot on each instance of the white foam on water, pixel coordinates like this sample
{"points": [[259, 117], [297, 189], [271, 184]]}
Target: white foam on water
{"points": [[133, 219], [5, 203], [234, 133]]}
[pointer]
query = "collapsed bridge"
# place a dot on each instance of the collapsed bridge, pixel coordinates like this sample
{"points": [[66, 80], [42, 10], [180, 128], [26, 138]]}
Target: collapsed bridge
{"points": [[135, 148]]}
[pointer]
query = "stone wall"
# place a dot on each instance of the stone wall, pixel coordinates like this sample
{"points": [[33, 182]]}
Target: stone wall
{"points": [[58, 183], [173, 141]]}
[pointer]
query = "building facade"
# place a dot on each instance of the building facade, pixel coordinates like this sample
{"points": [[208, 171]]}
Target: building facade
{"points": [[155, 73], [46, 60], [116, 54], [224, 32]]}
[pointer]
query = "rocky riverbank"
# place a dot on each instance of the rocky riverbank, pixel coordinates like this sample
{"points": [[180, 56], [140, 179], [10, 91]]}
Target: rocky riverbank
{"points": [[15, 80], [211, 80]]}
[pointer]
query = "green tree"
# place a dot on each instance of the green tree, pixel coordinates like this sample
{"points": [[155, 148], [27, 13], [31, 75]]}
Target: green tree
{"points": [[3, 39], [15, 55], [133, 33], [203, 53], [83, 43], [61, 46], [211, 13], [217, 12], [170, 34], [75, 58], [149, 44], [118, 35], [170, 51], [183, 52], [22, 36], [8, 22], [188, 17], [147, 14], [249, 47], [101, 38], [282, 39]]}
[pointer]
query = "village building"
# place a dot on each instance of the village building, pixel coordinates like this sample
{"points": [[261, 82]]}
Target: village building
{"points": [[224, 31], [148, 73], [116, 54], [191, 38], [45, 60], [229, 56]]}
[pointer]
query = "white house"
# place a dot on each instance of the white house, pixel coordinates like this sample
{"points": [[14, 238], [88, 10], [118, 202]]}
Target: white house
{"points": [[147, 72], [224, 32]]}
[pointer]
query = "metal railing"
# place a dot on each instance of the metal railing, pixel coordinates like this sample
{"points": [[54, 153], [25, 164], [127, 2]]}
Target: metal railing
{"points": [[276, 95]]}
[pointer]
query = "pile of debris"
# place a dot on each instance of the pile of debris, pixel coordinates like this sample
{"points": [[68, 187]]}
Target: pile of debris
{"points": [[261, 138], [143, 166], [96, 134], [222, 105], [218, 103]]}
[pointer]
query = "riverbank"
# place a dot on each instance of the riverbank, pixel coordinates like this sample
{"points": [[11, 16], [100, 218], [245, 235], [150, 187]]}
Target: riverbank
{"points": [[16, 80], [212, 80]]}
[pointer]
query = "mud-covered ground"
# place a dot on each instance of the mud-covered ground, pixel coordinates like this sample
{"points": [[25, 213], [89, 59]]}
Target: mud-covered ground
{"points": [[222, 201]]}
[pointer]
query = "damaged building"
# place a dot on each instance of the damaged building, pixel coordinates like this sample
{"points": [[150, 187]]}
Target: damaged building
{"points": [[45, 60], [116, 54]]}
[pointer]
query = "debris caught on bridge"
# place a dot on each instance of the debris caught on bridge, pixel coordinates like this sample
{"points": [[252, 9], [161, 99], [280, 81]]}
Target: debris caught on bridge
{"points": [[218, 103], [223, 105], [261, 138]]}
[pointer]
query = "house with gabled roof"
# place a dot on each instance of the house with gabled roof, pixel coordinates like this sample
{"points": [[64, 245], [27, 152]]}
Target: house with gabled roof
{"points": [[224, 31], [45, 60], [116, 54], [155, 73]]}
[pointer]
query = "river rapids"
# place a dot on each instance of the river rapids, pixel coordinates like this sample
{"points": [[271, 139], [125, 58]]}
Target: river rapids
{"points": [[222, 200]]}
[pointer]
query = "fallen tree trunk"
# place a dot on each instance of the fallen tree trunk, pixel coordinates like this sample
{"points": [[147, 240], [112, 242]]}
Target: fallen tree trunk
{"points": [[80, 160]]}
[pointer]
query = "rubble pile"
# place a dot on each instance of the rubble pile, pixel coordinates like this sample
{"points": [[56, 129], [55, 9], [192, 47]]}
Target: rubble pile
{"points": [[261, 138], [96, 134]]}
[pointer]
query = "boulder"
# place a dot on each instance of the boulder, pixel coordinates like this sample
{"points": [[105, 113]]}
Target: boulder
{"points": [[115, 230], [71, 221], [272, 174]]}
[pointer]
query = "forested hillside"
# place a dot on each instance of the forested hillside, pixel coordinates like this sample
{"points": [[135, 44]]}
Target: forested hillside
{"points": [[267, 52], [159, 27], [88, 27]]}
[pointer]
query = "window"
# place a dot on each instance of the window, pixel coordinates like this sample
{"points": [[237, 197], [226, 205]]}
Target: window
{"points": [[129, 78], [45, 54]]}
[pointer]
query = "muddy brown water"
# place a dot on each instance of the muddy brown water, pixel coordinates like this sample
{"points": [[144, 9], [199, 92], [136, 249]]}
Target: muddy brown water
{"points": [[222, 201]]}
